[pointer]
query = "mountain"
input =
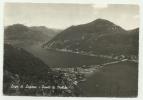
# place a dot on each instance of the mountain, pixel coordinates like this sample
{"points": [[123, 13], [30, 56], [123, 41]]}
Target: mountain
{"points": [[47, 31], [99, 37], [19, 61], [19, 34]]}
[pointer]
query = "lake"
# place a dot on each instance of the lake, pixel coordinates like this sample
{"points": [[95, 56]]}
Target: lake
{"points": [[64, 59]]}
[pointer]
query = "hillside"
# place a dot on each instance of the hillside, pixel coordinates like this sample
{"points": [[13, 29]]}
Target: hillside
{"points": [[20, 62], [99, 37]]}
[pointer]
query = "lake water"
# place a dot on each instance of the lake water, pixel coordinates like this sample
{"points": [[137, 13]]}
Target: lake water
{"points": [[64, 59]]}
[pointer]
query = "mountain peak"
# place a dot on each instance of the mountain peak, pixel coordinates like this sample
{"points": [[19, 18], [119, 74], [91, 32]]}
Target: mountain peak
{"points": [[102, 21], [18, 26]]}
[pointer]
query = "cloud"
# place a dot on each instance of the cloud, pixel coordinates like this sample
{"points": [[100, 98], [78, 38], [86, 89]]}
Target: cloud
{"points": [[100, 6], [136, 16]]}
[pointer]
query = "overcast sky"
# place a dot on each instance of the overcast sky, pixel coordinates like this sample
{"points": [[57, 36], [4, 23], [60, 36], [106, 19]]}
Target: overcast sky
{"points": [[61, 16]]}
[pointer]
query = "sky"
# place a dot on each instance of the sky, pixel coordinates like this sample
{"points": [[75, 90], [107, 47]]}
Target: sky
{"points": [[61, 16]]}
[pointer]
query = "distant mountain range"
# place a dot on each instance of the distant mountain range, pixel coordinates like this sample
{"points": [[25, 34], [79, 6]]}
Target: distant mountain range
{"points": [[99, 37], [19, 34]]}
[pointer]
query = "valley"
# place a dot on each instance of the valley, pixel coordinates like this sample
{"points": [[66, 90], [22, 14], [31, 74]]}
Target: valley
{"points": [[98, 58]]}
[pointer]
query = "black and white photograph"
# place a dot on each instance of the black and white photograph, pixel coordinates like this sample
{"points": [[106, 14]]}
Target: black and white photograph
{"points": [[71, 50]]}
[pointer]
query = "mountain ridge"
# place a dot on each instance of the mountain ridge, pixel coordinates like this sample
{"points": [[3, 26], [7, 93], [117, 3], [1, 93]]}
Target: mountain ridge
{"points": [[91, 37]]}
